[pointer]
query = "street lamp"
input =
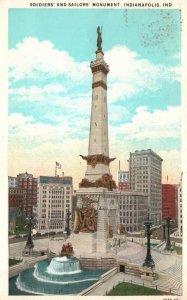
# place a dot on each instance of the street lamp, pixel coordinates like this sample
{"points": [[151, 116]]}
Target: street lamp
{"points": [[168, 243], [67, 229], [149, 262], [29, 244], [164, 230]]}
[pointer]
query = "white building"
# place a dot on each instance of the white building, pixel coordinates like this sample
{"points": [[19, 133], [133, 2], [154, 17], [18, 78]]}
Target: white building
{"points": [[180, 205], [123, 180], [12, 181], [145, 174], [123, 176], [54, 199]]}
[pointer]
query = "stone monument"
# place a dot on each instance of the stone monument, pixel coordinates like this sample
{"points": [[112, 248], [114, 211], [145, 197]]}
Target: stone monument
{"points": [[96, 215]]}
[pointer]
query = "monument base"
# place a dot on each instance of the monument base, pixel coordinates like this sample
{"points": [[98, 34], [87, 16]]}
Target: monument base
{"points": [[84, 242]]}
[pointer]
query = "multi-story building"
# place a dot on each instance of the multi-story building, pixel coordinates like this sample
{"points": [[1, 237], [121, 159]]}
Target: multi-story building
{"points": [[13, 214], [145, 173], [123, 180], [29, 184], [133, 209], [54, 199], [176, 186], [16, 197], [180, 218], [168, 201], [12, 181]]}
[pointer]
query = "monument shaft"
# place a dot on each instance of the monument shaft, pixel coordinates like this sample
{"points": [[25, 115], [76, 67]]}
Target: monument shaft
{"points": [[96, 210], [98, 172]]}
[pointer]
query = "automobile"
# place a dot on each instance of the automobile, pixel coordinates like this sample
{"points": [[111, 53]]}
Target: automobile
{"points": [[52, 233], [45, 234], [60, 232]]}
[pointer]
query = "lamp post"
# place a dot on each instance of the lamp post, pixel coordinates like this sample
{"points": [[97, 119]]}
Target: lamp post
{"points": [[164, 231], [29, 244], [149, 262], [168, 243], [67, 229]]}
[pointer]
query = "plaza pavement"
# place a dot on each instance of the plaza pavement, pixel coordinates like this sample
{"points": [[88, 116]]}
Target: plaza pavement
{"points": [[169, 267], [15, 249]]}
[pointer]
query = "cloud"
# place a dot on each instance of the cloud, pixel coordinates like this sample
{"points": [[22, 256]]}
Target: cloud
{"points": [[35, 93], [40, 160], [32, 57], [25, 130], [125, 64], [130, 74], [155, 125], [117, 114], [28, 132], [17, 120]]}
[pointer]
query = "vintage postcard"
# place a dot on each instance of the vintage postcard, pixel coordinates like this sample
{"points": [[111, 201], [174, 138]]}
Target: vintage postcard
{"points": [[94, 148]]}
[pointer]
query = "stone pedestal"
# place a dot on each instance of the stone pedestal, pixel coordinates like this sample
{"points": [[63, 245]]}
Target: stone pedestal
{"points": [[102, 229], [105, 203], [84, 242]]}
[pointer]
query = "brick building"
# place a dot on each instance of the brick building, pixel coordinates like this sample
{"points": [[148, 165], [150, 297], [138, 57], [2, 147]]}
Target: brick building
{"points": [[29, 184], [168, 201], [180, 201], [16, 197]]}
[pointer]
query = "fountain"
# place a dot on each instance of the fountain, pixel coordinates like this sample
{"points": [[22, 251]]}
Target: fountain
{"points": [[63, 265], [60, 276]]}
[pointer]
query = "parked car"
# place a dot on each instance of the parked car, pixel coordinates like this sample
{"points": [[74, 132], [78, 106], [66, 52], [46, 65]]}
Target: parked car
{"points": [[52, 233]]}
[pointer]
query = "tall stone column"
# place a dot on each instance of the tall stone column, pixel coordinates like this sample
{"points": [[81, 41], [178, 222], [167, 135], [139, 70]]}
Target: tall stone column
{"points": [[98, 150], [95, 190]]}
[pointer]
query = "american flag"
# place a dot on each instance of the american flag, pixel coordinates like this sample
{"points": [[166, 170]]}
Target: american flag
{"points": [[58, 165]]}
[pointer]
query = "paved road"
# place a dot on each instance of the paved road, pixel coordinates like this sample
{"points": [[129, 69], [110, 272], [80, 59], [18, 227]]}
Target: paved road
{"points": [[15, 249]]}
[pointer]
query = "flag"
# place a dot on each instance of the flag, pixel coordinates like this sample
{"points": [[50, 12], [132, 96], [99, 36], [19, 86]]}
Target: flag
{"points": [[58, 165]]}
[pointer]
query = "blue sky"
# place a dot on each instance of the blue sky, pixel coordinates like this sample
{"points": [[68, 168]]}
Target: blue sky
{"points": [[50, 86]]}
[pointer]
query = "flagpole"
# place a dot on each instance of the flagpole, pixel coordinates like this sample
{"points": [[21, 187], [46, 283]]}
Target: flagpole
{"points": [[58, 166]]}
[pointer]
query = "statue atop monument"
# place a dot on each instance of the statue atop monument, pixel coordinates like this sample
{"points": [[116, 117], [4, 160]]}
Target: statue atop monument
{"points": [[99, 39]]}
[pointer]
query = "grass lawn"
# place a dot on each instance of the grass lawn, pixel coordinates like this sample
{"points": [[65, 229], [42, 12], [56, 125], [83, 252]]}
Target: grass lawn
{"points": [[128, 289], [178, 250], [13, 261]]}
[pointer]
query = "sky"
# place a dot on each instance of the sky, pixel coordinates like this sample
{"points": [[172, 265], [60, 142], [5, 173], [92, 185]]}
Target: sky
{"points": [[50, 51]]}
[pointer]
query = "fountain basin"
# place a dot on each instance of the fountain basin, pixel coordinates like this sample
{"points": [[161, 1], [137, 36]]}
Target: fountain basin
{"points": [[47, 278]]}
